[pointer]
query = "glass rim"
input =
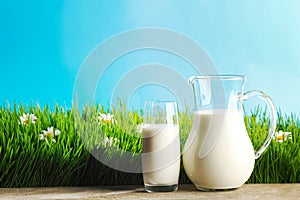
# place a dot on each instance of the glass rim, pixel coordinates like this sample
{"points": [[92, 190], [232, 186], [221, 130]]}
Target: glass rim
{"points": [[158, 102], [219, 77]]}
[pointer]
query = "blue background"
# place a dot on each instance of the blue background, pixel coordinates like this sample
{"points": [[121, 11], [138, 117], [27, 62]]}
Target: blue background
{"points": [[44, 43]]}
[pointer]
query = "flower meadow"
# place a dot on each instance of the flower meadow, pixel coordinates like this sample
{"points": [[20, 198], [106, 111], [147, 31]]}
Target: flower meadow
{"points": [[42, 147]]}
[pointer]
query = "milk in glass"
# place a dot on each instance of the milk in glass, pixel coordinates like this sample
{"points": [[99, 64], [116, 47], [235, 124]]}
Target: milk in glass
{"points": [[161, 154]]}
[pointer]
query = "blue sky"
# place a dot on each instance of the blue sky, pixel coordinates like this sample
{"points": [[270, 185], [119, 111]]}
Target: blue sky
{"points": [[43, 44]]}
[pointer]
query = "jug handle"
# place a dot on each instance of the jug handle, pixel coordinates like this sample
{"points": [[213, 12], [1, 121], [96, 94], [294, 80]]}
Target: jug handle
{"points": [[271, 108]]}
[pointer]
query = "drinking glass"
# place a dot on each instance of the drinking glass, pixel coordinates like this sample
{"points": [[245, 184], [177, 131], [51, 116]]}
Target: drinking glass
{"points": [[161, 146]]}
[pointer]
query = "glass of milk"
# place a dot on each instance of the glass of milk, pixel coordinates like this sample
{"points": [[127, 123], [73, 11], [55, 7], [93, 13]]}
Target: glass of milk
{"points": [[161, 146]]}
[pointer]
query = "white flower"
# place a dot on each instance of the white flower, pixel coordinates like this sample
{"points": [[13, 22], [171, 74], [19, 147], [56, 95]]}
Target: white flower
{"points": [[108, 118], [110, 142], [49, 134], [42, 137], [26, 118], [33, 118], [57, 132], [283, 136], [139, 128]]}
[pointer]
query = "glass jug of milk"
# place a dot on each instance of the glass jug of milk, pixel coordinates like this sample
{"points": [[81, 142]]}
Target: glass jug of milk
{"points": [[218, 153]]}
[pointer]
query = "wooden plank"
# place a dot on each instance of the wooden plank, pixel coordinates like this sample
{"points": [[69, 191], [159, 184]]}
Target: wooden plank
{"points": [[248, 191]]}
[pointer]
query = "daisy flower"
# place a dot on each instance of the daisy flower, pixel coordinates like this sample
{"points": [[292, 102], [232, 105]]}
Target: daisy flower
{"points": [[139, 128], [110, 142], [283, 136], [49, 134], [108, 118], [28, 118]]}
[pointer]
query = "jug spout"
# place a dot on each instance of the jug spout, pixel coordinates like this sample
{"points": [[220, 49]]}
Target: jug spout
{"points": [[201, 91], [196, 90], [191, 80]]}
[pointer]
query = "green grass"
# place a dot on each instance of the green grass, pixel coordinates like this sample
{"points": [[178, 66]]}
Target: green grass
{"points": [[280, 163], [26, 161]]}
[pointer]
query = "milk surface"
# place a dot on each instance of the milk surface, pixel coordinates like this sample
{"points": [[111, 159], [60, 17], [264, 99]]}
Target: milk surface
{"points": [[161, 154], [218, 153]]}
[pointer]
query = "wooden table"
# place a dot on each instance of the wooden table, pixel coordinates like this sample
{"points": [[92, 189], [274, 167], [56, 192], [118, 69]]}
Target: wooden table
{"points": [[248, 191]]}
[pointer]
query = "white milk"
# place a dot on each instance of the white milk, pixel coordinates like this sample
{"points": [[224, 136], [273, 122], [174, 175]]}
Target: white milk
{"points": [[161, 154], [218, 153]]}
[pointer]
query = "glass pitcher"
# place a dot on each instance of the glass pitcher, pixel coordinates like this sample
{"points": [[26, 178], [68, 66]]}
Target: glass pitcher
{"points": [[218, 153]]}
